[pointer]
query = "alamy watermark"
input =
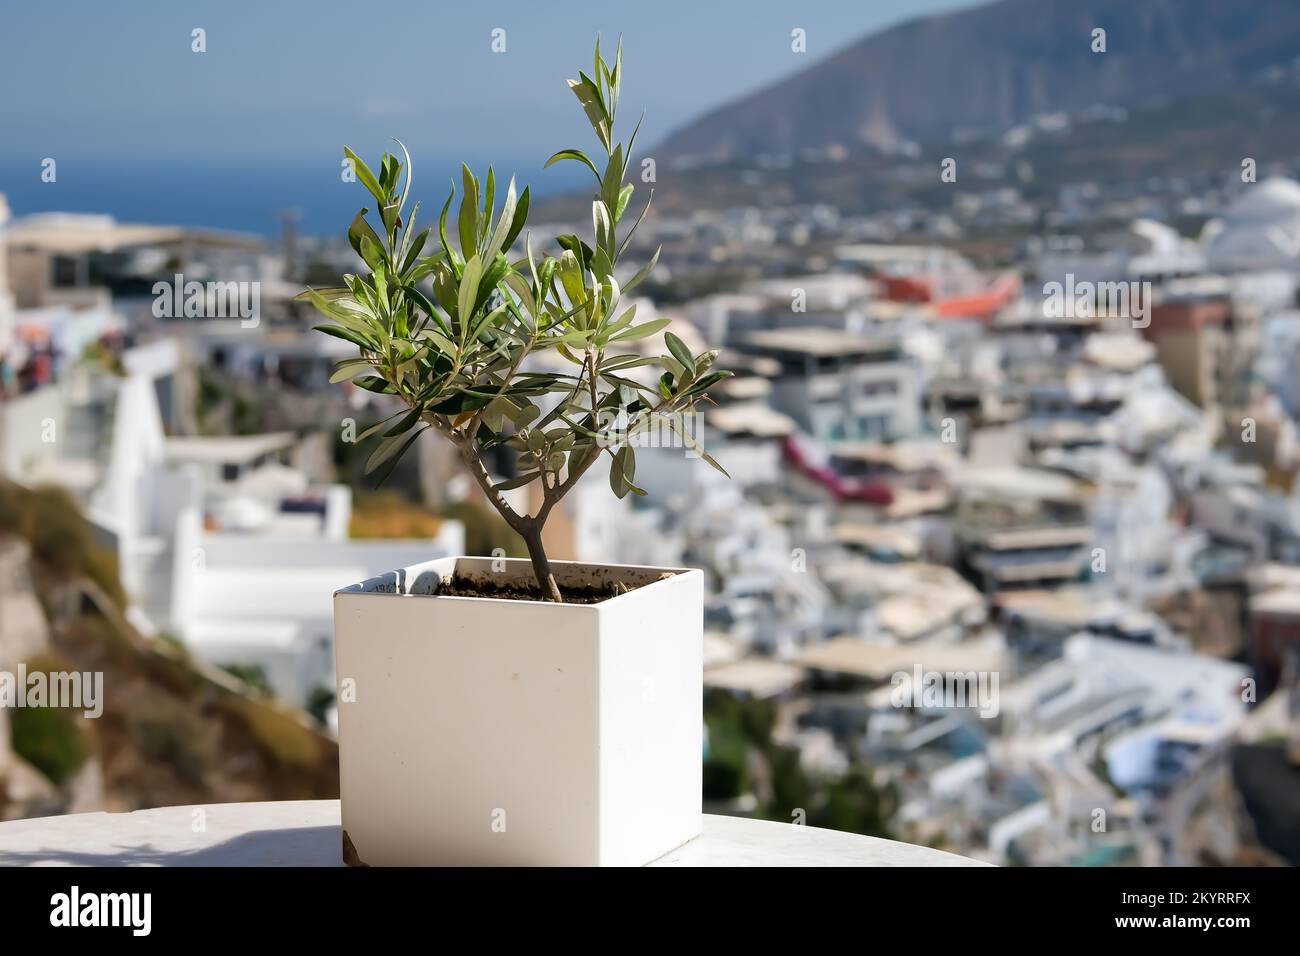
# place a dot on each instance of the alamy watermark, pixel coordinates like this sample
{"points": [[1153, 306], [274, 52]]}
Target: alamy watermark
{"points": [[1088, 300], [133, 911], [61, 690], [946, 689], [208, 300]]}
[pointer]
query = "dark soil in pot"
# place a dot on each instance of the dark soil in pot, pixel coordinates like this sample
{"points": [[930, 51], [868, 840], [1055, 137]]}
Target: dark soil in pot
{"points": [[478, 587]]}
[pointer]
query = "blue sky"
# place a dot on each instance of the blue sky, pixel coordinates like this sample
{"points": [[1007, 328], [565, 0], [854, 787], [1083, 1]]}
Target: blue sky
{"points": [[287, 79], [144, 129]]}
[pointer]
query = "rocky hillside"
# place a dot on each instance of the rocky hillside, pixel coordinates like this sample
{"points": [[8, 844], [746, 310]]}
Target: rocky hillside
{"points": [[991, 67], [173, 730]]}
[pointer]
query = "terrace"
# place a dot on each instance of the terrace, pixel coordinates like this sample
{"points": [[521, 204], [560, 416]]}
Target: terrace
{"points": [[308, 833]]}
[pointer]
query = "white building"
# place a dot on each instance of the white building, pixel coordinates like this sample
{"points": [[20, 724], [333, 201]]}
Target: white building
{"points": [[837, 385], [1127, 697], [219, 541]]}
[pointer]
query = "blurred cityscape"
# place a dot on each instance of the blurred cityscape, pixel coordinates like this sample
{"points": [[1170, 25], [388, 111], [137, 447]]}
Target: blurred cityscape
{"points": [[1009, 562]]}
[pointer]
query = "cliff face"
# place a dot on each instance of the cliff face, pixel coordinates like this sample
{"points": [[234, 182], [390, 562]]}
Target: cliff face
{"points": [[24, 790], [23, 631], [172, 731], [994, 66]]}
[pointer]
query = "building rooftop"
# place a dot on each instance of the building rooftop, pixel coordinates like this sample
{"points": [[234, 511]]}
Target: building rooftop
{"points": [[754, 677], [229, 450], [71, 234], [879, 662], [903, 456], [816, 341], [750, 419], [1279, 602]]}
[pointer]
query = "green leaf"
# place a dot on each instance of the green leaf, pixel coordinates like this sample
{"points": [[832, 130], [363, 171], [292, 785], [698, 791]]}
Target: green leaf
{"points": [[574, 337], [624, 197], [349, 370], [421, 300], [359, 228], [604, 233], [581, 251], [517, 482], [463, 401], [642, 331], [373, 253], [444, 344], [468, 214], [680, 352], [631, 141], [643, 273], [390, 452], [622, 363], [616, 76], [347, 335], [406, 424], [593, 105], [675, 368], [571, 278], [507, 219], [414, 251], [522, 417], [624, 465], [328, 294], [628, 383], [521, 216], [489, 199], [574, 154], [406, 186], [519, 285], [377, 427], [704, 384], [491, 278], [345, 312], [373, 383], [423, 268], [366, 176], [612, 182], [468, 293], [694, 445], [623, 322], [487, 323], [456, 261], [617, 481]]}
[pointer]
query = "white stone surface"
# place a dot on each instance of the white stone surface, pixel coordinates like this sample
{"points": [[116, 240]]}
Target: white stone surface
{"points": [[307, 833]]}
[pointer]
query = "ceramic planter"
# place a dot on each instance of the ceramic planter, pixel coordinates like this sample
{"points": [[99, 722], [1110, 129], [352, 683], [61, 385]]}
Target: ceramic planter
{"points": [[484, 731]]}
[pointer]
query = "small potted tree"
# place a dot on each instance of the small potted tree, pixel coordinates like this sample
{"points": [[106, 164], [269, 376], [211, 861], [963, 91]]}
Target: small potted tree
{"points": [[502, 711]]}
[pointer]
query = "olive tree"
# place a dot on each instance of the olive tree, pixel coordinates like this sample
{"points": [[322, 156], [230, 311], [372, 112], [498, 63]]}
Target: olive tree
{"points": [[447, 321]]}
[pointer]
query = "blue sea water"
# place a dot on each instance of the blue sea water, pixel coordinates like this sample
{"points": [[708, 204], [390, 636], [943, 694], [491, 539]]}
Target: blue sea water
{"points": [[239, 194]]}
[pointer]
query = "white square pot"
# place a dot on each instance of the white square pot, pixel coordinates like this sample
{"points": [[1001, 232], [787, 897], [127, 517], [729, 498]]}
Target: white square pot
{"points": [[484, 731]]}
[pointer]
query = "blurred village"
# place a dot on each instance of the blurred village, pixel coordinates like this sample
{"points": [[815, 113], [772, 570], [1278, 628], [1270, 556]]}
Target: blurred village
{"points": [[1055, 474]]}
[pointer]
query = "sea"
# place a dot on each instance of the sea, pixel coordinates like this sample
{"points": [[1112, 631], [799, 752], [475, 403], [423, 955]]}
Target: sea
{"points": [[241, 194]]}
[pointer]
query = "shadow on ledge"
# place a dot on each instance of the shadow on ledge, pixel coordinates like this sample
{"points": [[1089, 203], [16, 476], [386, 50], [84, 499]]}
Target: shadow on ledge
{"points": [[303, 846]]}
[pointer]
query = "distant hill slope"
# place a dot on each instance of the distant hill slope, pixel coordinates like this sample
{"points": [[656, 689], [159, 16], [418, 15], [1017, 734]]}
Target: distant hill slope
{"points": [[995, 66]]}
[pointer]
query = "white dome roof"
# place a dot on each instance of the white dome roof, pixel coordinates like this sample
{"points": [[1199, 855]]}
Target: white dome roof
{"points": [[1259, 230], [1272, 199]]}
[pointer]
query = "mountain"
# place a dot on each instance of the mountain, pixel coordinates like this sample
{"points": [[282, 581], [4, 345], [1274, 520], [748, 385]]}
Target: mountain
{"points": [[992, 67]]}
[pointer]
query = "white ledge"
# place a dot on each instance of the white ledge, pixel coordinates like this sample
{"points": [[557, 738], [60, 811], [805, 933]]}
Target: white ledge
{"points": [[307, 833]]}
